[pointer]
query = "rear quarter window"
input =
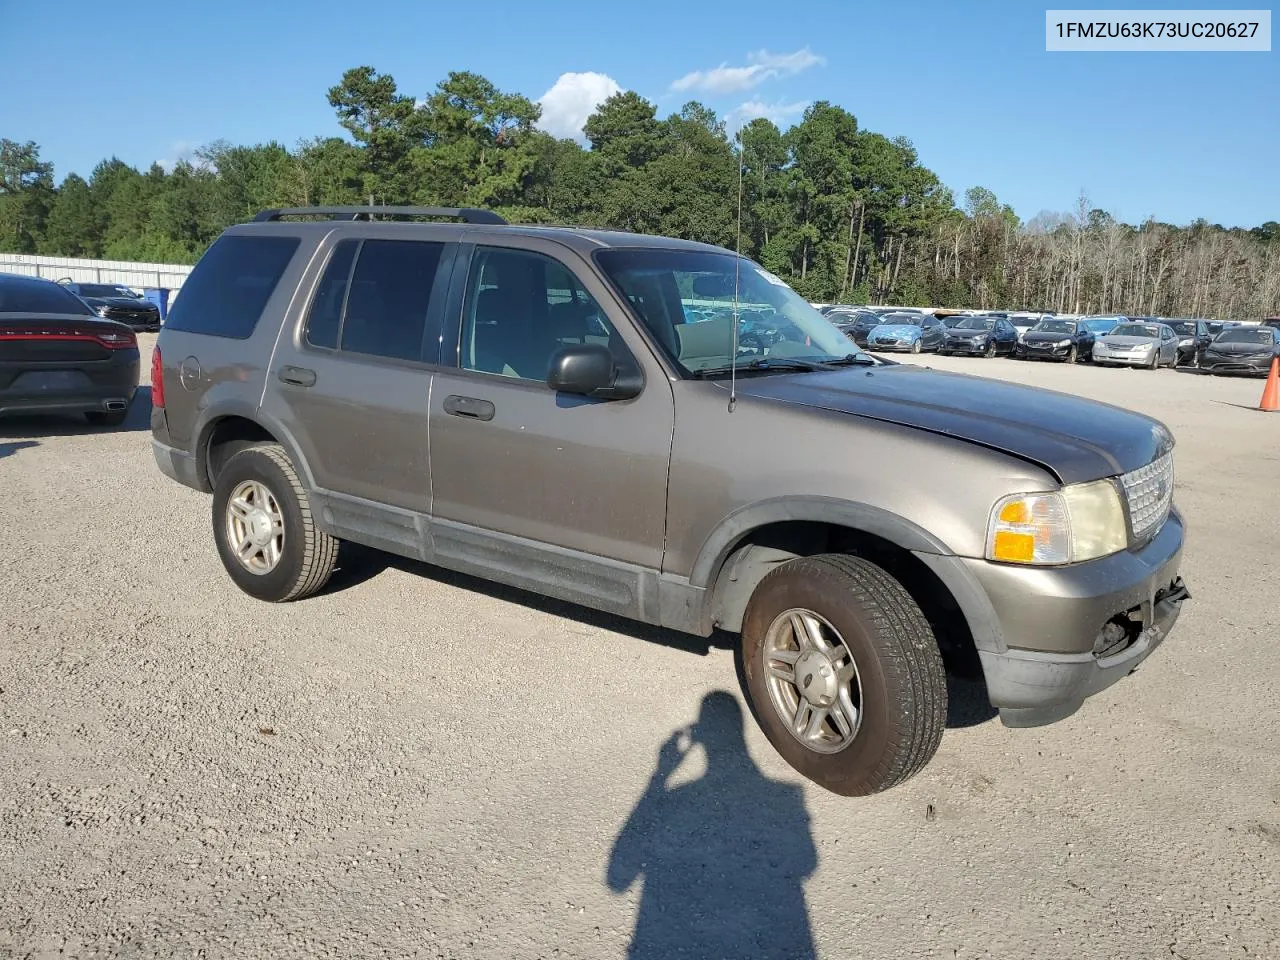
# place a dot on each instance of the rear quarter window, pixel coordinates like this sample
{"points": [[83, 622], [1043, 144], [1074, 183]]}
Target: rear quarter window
{"points": [[230, 286]]}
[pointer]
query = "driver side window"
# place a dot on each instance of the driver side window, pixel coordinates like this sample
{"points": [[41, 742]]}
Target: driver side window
{"points": [[521, 309]]}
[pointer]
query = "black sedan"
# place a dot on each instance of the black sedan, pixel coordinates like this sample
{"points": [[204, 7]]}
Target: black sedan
{"points": [[855, 325], [117, 302], [1055, 339], [1193, 337], [1247, 350], [980, 335], [56, 356]]}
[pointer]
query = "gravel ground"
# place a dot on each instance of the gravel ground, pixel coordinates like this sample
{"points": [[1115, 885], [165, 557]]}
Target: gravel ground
{"points": [[420, 764]]}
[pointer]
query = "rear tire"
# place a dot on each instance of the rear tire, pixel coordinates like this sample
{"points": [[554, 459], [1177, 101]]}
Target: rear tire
{"points": [[106, 418], [297, 558], [897, 673]]}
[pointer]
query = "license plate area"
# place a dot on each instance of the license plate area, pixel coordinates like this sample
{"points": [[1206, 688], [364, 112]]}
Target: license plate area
{"points": [[52, 381]]}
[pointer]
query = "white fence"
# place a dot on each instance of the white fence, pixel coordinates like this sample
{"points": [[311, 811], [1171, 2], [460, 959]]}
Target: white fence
{"points": [[140, 276]]}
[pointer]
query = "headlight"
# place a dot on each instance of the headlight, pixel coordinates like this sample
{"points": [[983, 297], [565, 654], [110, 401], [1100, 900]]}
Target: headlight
{"points": [[1083, 521], [1022, 338], [1065, 343], [102, 310], [1185, 342]]}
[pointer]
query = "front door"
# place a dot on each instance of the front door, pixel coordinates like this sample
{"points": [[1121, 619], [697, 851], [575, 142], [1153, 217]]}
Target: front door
{"points": [[521, 473]]}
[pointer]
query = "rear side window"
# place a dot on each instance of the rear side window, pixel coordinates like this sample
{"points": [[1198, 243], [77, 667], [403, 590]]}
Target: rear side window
{"points": [[325, 316], [373, 297], [22, 295], [386, 313], [227, 290]]}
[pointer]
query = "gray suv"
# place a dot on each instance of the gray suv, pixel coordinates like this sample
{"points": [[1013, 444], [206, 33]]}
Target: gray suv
{"points": [[574, 412]]}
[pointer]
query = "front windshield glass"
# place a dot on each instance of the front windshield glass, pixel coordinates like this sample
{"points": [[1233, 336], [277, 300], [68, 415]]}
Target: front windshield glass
{"points": [[1137, 330], [1245, 335], [686, 298], [1183, 327], [1055, 326], [974, 323], [1099, 326], [903, 320]]}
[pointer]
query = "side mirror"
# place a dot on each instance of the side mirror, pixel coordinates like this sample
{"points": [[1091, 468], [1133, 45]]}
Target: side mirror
{"points": [[589, 370]]}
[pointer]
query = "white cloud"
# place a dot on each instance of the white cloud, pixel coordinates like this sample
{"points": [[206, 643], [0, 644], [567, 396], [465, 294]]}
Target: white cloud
{"points": [[179, 150], [760, 66], [572, 99], [781, 113]]}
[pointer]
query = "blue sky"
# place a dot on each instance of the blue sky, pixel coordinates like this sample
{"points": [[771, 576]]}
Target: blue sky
{"points": [[1171, 135]]}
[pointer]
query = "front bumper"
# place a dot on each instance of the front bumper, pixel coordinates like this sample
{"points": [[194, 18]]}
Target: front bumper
{"points": [[1052, 352], [891, 347], [1250, 366], [965, 346], [1122, 360], [1037, 628]]}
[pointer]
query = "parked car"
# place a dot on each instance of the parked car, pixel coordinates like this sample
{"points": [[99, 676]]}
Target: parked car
{"points": [[1271, 322], [57, 356], [1242, 350], [1054, 339], [1100, 326], [117, 302], [980, 335], [1131, 344], [1193, 337], [1023, 323], [859, 327], [648, 470], [910, 332]]}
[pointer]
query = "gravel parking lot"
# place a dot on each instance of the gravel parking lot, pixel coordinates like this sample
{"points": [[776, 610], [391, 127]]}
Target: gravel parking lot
{"points": [[420, 764]]}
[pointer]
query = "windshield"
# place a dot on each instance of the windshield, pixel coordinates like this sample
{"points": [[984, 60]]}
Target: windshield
{"points": [[1055, 326], [1099, 326], [20, 295], [666, 287], [1137, 330], [903, 320], [1245, 335], [1183, 327], [105, 290], [974, 323]]}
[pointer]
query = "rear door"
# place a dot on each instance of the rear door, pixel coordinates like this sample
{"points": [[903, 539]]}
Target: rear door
{"points": [[350, 376]]}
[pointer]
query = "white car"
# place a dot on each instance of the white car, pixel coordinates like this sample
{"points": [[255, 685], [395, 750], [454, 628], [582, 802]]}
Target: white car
{"points": [[1150, 345]]}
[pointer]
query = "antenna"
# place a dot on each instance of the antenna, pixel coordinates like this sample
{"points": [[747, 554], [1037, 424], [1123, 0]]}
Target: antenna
{"points": [[737, 262]]}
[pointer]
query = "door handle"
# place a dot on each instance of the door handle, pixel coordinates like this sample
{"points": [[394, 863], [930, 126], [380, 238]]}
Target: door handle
{"points": [[472, 408], [299, 376]]}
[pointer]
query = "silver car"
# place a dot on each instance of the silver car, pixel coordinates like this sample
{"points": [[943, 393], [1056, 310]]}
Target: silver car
{"points": [[1150, 345]]}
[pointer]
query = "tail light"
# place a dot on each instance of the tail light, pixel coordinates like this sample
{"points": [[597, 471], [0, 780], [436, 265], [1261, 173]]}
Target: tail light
{"points": [[111, 339], [157, 378]]}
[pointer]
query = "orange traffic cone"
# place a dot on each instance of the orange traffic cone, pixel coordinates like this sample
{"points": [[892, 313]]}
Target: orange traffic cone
{"points": [[1271, 392]]}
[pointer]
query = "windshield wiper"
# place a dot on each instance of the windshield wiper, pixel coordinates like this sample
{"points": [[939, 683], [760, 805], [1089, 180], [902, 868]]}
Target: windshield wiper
{"points": [[758, 364], [851, 358]]}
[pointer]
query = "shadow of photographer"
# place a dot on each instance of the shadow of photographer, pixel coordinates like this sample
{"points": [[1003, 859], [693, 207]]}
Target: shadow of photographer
{"points": [[723, 858]]}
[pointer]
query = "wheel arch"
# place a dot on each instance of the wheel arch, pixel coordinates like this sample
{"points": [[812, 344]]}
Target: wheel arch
{"points": [[754, 540], [229, 428]]}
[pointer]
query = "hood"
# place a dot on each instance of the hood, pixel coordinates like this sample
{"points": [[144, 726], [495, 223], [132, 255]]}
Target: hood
{"points": [[1233, 349], [1074, 439], [1044, 336], [902, 331], [1127, 341]]}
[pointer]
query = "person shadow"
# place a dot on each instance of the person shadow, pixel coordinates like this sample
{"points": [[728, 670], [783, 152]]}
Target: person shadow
{"points": [[723, 858]]}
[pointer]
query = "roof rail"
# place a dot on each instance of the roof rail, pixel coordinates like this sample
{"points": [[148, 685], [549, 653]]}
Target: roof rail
{"points": [[468, 214]]}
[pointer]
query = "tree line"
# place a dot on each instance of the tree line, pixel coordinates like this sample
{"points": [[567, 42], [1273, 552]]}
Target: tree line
{"points": [[843, 213]]}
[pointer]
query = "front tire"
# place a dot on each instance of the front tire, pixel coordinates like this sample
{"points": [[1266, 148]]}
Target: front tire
{"points": [[843, 673], [990, 352], [1073, 355], [915, 347], [262, 523]]}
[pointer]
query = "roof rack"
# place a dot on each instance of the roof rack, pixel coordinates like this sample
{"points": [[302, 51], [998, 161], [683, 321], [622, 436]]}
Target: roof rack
{"points": [[467, 214]]}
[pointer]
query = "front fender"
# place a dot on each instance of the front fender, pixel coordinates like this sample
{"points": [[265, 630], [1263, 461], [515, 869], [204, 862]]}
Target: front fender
{"points": [[845, 513]]}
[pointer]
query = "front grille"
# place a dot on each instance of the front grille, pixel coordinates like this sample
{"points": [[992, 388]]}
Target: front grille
{"points": [[1149, 493]]}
